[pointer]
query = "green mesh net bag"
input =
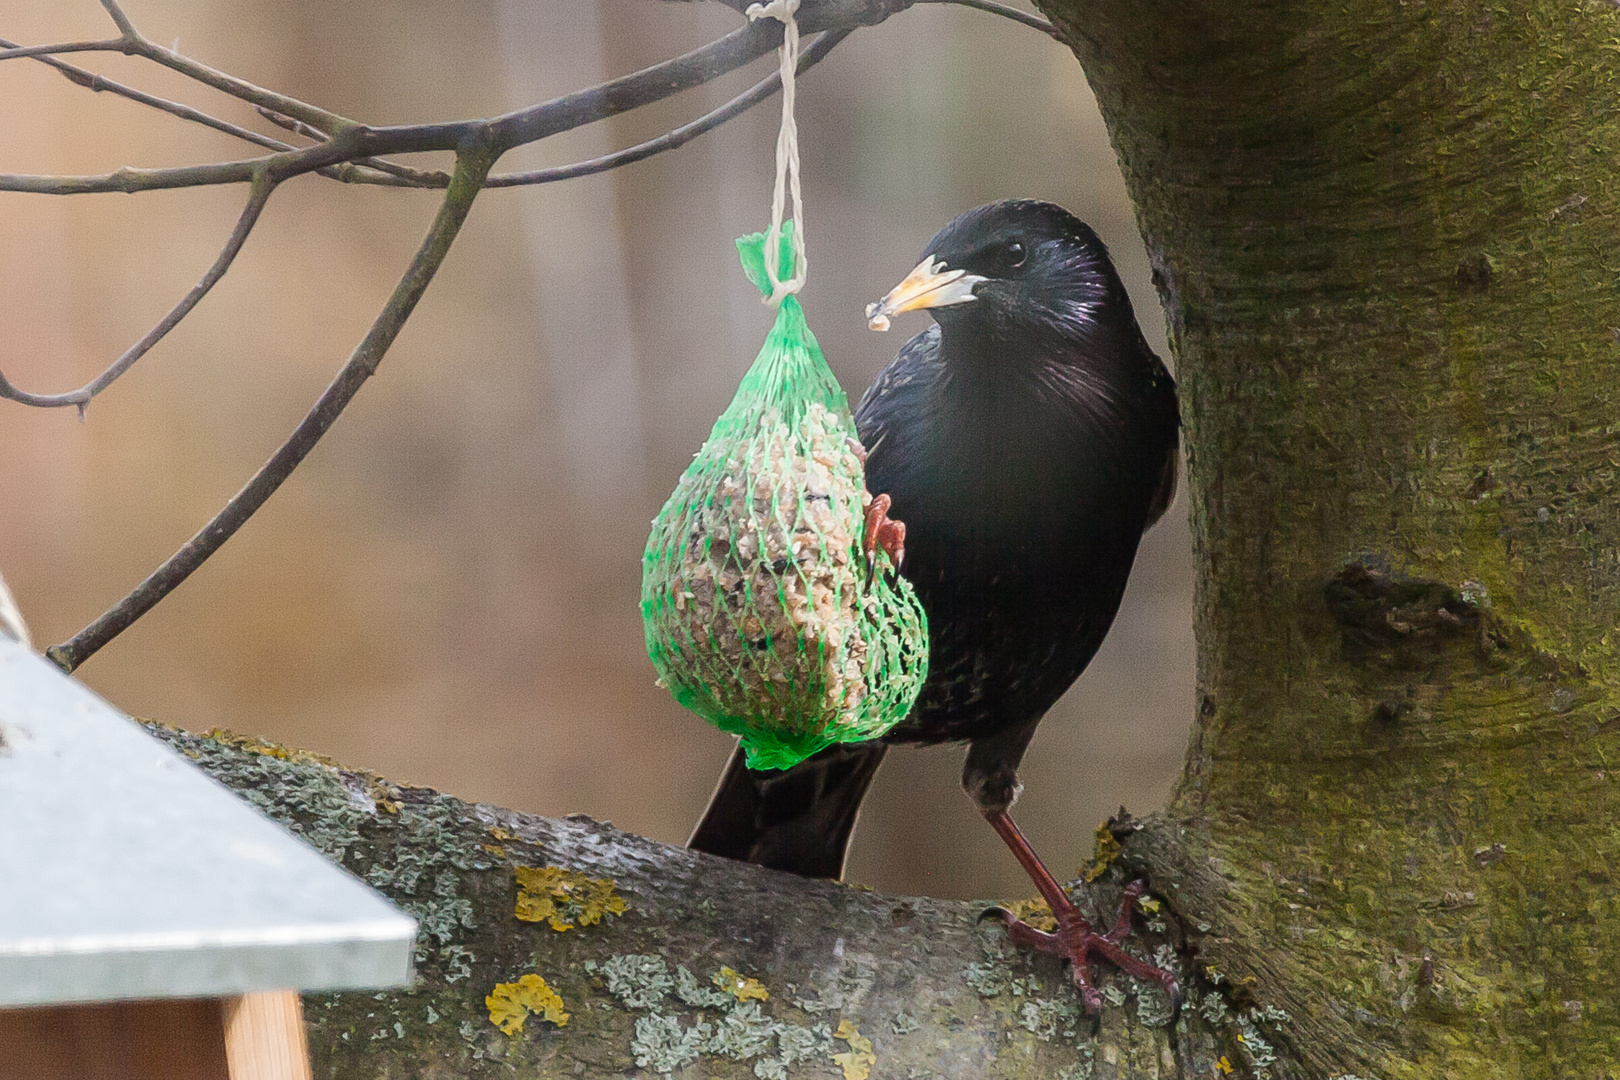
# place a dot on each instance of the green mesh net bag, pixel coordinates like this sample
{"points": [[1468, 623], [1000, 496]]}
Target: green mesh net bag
{"points": [[764, 613]]}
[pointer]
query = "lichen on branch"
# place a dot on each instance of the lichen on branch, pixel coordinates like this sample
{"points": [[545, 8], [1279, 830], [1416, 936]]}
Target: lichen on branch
{"points": [[753, 973]]}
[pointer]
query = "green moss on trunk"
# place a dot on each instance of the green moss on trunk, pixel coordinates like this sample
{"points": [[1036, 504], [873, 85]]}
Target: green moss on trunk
{"points": [[1385, 238]]}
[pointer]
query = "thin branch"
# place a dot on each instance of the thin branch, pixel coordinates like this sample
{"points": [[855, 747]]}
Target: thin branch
{"points": [[319, 118], [1033, 21], [287, 123], [742, 45], [119, 19], [357, 142], [129, 180], [17, 52], [472, 165], [356, 173], [258, 195], [417, 177], [134, 43], [681, 135], [91, 81], [670, 140]]}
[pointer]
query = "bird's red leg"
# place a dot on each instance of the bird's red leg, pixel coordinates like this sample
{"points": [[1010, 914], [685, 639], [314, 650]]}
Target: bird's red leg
{"points": [[883, 531], [1075, 939]]}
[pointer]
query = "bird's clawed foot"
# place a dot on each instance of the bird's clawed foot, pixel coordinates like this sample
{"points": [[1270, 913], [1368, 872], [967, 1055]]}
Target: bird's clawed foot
{"points": [[884, 532], [1075, 940]]}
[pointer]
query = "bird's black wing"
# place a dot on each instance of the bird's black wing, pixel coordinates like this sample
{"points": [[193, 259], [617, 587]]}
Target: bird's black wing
{"points": [[899, 390], [1164, 394]]}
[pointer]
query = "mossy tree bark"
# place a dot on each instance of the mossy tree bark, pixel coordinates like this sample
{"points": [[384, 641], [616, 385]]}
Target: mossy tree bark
{"points": [[1384, 235], [656, 961]]}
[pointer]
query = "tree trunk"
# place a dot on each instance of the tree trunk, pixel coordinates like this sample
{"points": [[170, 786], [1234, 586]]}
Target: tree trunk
{"points": [[1384, 238]]}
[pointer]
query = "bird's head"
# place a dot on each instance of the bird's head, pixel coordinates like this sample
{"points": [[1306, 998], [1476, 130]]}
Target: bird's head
{"points": [[1009, 269]]}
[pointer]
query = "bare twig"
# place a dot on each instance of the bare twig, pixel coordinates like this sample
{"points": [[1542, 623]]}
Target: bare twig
{"points": [[287, 123], [349, 143], [681, 135], [359, 172], [136, 44], [1033, 21], [18, 52], [119, 19], [472, 165], [670, 140], [418, 177], [356, 141], [133, 43], [91, 81], [258, 195]]}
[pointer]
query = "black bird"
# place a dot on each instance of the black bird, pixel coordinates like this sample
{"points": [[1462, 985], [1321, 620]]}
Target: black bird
{"points": [[1026, 440]]}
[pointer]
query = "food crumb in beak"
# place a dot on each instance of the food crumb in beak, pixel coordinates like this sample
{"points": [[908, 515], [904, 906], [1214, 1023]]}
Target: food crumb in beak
{"points": [[875, 319]]}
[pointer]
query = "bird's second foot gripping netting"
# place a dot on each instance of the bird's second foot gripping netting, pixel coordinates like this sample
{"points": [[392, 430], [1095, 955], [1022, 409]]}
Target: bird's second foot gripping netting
{"points": [[766, 611]]}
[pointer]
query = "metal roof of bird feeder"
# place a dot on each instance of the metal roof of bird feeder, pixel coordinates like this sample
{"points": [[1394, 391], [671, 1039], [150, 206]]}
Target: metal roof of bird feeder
{"points": [[128, 873]]}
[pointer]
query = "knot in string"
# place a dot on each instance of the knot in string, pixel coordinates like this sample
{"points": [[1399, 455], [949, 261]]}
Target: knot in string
{"points": [[787, 158]]}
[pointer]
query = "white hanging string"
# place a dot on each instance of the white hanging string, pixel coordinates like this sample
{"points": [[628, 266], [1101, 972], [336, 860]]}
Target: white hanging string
{"points": [[787, 157]]}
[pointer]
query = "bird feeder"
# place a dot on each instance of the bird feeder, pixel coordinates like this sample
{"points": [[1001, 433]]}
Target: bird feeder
{"points": [[151, 923]]}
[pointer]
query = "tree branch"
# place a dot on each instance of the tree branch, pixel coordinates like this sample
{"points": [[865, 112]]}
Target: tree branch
{"points": [[258, 195], [18, 52], [356, 173], [503, 133], [937, 992], [411, 177], [471, 167], [119, 19], [348, 142], [1034, 22], [136, 44], [681, 135], [97, 83]]}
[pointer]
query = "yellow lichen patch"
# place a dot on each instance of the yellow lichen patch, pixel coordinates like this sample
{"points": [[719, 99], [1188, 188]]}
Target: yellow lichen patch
{"points": [[1107, 851], [495, 850], [267, 749], [503, 834], [382, 794], [858, 1061], [1034, 911], [564, 898], [510, 1004], [739, 986], [1224, 1065]]}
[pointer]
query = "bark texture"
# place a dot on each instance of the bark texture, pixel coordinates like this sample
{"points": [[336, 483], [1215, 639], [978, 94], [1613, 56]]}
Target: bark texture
{"points": [[846, 983], [1384, 235]]}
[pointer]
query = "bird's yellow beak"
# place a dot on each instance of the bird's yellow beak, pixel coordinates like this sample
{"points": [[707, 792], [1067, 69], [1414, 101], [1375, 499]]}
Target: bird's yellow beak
{"points": [[930, 285]]}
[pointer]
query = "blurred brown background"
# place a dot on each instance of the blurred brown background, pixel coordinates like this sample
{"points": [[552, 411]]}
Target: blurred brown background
{"points": [[446, 592]]}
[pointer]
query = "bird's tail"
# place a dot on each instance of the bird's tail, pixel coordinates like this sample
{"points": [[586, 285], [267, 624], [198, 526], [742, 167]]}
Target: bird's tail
{"points": [[798, 819]]}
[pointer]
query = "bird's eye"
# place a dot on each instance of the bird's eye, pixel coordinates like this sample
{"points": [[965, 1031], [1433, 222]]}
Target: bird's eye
{"points": [[1008, 257]]}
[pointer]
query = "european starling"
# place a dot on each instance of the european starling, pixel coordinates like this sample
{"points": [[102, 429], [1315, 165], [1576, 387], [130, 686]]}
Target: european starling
{"points": [[1026, 440]]}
